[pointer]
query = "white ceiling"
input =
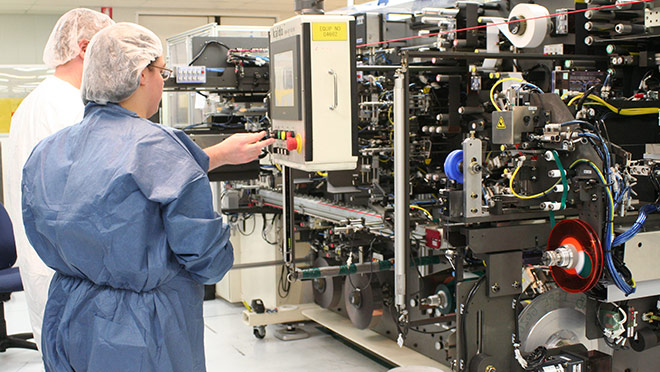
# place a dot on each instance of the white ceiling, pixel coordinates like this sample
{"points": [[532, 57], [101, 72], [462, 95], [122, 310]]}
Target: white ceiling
{"points": [[208, 6]]}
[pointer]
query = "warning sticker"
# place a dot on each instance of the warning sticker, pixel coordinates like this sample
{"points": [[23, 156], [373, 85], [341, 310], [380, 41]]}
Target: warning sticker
{"points": [[501, 124], [335, 31]]}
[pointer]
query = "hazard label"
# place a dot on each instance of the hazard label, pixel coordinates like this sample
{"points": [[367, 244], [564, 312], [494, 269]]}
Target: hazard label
{"points": [[501, 124]]}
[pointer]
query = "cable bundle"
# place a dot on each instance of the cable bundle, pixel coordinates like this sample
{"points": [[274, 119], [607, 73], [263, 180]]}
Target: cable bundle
{"points": [[626, 111], [637, 226]]}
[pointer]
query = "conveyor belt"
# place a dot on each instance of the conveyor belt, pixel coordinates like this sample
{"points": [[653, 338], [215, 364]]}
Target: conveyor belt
{"points": [[323, 209]]}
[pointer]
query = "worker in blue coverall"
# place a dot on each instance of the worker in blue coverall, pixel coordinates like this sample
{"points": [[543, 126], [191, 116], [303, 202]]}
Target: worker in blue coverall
{"points": [[121, 209]]}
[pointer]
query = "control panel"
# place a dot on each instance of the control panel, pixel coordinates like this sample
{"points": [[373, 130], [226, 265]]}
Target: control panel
{"points": [[190, 74], [313, 92]]}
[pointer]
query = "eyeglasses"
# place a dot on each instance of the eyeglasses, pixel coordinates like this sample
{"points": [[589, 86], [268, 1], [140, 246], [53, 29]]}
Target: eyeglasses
{"points": [[164, 72]]}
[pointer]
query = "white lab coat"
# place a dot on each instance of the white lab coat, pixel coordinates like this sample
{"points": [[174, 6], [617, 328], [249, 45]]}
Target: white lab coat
{"points": [[53, 105]]}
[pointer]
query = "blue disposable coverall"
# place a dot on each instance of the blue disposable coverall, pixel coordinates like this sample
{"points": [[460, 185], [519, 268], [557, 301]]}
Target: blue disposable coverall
{"points": [[121, 209]]}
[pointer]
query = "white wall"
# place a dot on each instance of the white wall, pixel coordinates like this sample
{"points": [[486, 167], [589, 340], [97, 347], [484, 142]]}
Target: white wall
{"points": [[24, 37]]}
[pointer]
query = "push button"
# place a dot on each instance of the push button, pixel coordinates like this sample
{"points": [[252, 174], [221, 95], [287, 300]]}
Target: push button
{"points": [[294, 143], [291, 143]]}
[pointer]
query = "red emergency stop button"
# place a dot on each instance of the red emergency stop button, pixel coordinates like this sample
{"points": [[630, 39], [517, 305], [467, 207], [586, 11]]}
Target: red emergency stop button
{"points": [[294, 143], [291, 143]]}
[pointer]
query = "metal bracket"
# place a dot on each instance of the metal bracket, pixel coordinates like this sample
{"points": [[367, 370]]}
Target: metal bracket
{"points": [[472, 169]]}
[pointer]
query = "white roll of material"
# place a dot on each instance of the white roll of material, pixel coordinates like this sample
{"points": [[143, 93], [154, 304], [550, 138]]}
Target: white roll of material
{"points": [[534, 28]]}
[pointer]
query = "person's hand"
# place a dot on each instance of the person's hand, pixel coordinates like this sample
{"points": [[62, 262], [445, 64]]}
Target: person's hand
{"points": [[239, 148]]}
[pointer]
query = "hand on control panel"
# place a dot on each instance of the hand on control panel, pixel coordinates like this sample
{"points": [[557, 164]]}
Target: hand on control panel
{"points": [[240, 148]]}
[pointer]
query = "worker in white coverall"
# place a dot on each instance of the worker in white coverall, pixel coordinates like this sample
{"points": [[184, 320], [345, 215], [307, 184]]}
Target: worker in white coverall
{"points": [[55, 104]]}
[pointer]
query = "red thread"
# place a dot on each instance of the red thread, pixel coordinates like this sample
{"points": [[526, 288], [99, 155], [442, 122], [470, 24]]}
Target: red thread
{"points": [[501, 23]]}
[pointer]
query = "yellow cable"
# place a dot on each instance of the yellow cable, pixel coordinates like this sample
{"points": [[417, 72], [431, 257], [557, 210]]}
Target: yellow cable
{"points": [[278, 167], [602, 179], [626, 112], [412, 206], [492, 90], [526, 197], [322, 174], [389, 114], [610, 226], [570, 103]]}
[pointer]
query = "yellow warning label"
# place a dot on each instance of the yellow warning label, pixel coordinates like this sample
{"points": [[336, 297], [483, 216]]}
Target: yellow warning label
{"points": [[335, 31], [501, 124]]}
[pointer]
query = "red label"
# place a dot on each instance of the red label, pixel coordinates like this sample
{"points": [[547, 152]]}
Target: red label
{"points": [[107, 11]]}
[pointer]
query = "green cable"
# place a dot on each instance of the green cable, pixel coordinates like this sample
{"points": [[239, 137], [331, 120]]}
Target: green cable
{"points": [[552, 219]]}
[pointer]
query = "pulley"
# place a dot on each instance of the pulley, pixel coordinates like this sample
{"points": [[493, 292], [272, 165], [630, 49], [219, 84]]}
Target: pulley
{"points": [[327, 291], [364, 300], [453, 165], [574, 255]]}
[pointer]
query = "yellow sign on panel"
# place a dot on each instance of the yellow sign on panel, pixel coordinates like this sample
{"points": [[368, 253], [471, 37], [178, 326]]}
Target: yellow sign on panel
{"points": [[501, 124], [7, 108], [335, 31]]}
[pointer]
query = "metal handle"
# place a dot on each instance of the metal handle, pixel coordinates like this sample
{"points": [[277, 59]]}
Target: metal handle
{"points": [[334, 75]]}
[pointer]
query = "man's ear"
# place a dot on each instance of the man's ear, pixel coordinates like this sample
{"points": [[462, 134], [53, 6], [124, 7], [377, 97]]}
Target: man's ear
{"points": [[83, 47]]}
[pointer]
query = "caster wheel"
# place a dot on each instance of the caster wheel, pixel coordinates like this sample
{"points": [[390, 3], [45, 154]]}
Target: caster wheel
{"points": [[259, 331]]}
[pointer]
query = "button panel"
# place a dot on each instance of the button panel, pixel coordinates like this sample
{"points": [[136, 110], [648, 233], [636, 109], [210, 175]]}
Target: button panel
{"points": [[287, 141], [190, 74]]}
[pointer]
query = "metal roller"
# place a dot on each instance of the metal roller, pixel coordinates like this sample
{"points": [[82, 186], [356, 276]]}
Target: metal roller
{"points": [[364, 300], [327, 291], [445, 303]]}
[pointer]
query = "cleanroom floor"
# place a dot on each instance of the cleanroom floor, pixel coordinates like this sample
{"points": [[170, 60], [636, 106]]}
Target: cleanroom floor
{"points": [[230, 345]]}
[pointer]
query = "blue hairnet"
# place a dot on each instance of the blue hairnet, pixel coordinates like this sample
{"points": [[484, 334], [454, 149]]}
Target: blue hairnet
{"points": [[74, 26], [114, 60]]}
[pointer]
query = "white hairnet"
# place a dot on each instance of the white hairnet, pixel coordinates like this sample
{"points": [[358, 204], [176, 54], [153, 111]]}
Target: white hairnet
{"points": [[74, 26], [114, 60]]}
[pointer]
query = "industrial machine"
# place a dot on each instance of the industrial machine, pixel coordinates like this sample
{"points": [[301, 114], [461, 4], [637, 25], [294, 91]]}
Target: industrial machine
{"points": [[219, 87], [314, 87], [490, 199]]}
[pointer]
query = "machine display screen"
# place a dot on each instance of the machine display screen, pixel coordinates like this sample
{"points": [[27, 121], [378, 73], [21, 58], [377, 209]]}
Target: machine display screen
{"points": [[284, 79]]}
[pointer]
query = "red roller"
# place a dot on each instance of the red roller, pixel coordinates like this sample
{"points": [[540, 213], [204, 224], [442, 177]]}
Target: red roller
{"points": [[582, 236]]}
